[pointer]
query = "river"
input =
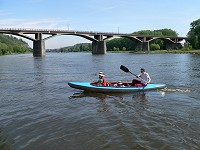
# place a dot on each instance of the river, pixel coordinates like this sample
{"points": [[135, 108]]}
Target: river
{"points": [[38, 110]]}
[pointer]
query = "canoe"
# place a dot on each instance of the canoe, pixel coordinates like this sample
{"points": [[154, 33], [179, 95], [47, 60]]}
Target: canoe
{"points": [[113, 87]]}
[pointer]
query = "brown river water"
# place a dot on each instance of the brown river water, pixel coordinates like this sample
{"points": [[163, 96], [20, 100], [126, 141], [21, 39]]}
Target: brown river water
{"points": [[39, 111]]}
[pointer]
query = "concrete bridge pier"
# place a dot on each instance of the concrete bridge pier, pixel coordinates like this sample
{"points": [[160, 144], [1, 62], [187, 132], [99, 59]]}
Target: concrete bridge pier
{"points": [[99, 47], [145, 46], [38, 46]]}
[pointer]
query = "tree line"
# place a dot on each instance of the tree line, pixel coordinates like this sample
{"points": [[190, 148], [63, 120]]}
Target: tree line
{"points": [[10, 45], [81, 47], [125, 44]]}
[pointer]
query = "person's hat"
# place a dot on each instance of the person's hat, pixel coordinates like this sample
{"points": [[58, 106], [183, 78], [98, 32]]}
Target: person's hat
{"points": [[100, 72], [142, 69]]}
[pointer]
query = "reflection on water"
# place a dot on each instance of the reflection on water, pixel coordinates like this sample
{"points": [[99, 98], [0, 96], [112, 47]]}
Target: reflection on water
{"points": [[140, 96], [102, 98], [121, 102]]}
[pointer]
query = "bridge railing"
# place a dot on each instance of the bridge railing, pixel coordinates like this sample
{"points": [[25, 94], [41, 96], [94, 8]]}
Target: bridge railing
{"points": [[58, 30], [47, 31]]}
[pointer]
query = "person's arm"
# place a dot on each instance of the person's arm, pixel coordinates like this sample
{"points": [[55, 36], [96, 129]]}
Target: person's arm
{"points": [[138, 76], [148, 78]]}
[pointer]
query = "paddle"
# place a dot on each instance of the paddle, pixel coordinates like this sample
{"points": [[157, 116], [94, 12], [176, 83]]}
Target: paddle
{"points": [[125, 69]]}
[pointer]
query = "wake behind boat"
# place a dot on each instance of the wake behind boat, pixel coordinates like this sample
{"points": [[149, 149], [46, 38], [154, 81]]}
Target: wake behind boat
{"points": [[113, 87]]}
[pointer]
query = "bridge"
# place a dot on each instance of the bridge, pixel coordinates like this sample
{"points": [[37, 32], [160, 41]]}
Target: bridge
{"points": [[98, 38]]}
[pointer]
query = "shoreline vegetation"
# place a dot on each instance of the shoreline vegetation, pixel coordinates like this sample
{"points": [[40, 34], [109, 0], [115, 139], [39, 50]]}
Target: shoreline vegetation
{"points": [[172, 52], [180, 51], [12, 45], [161, 52]]}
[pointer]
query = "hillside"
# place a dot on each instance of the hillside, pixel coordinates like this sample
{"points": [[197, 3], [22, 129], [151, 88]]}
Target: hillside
{"points": [[81, 47], [10, 45]]}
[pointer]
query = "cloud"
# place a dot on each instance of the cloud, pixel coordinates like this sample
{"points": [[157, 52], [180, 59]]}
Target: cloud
{"points": [[31, 23], [44, 24]]}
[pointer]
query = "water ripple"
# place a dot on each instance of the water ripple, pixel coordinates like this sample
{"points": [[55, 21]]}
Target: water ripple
{"points": [[40, 111]]}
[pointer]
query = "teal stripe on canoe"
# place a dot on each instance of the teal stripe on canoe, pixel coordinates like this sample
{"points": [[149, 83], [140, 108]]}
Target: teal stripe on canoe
{"points": [[88, 87]]}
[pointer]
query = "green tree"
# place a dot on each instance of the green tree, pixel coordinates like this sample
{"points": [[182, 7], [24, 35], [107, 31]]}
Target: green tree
{"points": [[17, 49], [3, 48], [161, 32], [121, 44], [166, 32], [187, 46], [144, 32], [154, 47], [134, 45], [194, 34], [10, 44]]}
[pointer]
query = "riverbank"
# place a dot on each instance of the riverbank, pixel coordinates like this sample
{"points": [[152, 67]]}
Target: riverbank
{"points": [[169, 51], [160, 52], [142, 52]]}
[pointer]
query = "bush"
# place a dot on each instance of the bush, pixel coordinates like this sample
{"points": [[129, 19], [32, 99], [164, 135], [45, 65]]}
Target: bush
{"points": [[154, 47], [187, 46], [116, 49]]}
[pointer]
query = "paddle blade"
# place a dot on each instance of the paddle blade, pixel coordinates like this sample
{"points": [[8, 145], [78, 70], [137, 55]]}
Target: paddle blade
{"points": [[124, 68]]}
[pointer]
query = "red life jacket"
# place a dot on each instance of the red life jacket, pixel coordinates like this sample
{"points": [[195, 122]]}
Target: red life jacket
{"points": [[104, 81]]}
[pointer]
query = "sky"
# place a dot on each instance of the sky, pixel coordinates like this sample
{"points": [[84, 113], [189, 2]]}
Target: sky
{"points": [[123, 16]]}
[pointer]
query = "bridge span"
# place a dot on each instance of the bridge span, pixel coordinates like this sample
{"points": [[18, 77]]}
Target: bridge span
{"points": [[98, 38]]}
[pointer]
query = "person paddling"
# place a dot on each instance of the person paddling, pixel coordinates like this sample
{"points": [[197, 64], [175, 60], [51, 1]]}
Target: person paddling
{"points": [[144, 79], [102, 80]]}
